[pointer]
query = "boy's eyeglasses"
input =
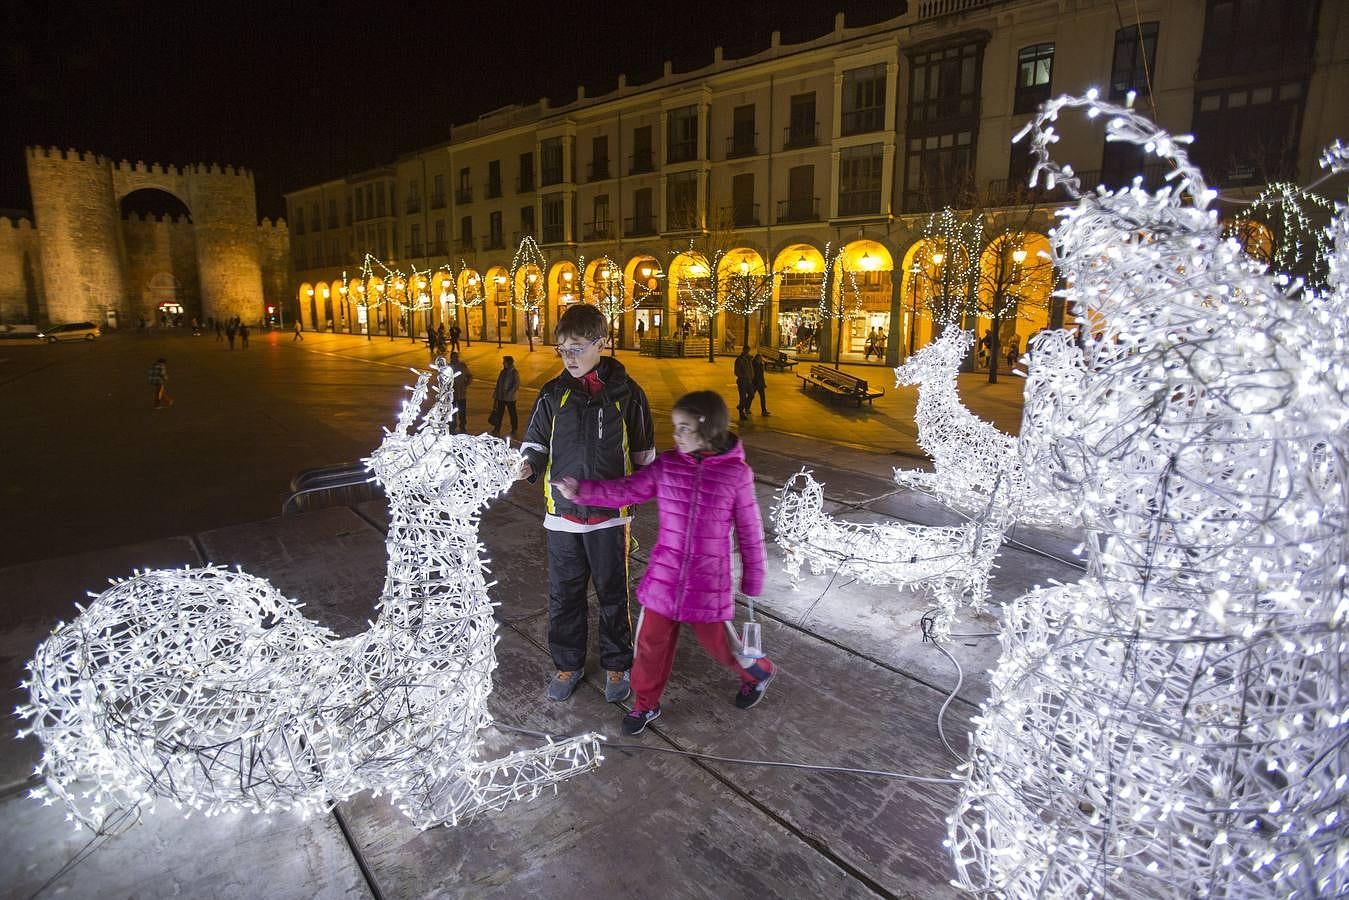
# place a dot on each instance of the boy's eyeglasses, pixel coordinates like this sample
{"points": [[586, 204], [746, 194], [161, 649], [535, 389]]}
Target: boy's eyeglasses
{"points": [[573, 352]]}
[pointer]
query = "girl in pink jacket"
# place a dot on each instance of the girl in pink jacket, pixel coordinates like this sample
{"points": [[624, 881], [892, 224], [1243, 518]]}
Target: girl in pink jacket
{"points": [[702, 488]]}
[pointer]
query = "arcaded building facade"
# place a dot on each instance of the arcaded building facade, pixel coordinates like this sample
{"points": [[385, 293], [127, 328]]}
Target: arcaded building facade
{"points": [[86, 255], [842, 144]]}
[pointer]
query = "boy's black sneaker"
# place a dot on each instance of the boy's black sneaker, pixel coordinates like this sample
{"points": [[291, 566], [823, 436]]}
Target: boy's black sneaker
{"points": [[635, 722], [752, 693]]}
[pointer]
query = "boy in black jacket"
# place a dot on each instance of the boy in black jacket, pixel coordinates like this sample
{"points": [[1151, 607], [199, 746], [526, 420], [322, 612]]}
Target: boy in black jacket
{"points": [[590, 422]]}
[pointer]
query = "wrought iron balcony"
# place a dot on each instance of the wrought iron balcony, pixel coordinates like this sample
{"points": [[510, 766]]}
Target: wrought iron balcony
{"points": [[801, 134], [798, 209]]}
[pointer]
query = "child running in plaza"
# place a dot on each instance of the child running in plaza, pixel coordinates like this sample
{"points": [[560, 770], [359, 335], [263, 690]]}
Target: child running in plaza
{"points": [[592, 421], [702, 488]]}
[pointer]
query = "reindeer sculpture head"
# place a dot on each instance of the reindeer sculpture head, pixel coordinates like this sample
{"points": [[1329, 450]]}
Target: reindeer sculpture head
{"points": [[939, 360]]}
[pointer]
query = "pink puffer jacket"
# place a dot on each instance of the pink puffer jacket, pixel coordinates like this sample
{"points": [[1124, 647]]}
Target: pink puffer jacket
{"points": [[688, 576]]}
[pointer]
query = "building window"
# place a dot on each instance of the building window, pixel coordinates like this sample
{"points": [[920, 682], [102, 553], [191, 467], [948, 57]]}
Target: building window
{"points": [[681, 133], [525, 180], [442, 241], [863, 100], [1248, 134], [803, 129], [937, 170], [642, 160], [494, 178], [332, 213], [744, 211], [301, 261], [526, 221], [550, 162], [681, 202], [415, 241], [379, 200], [945, 84], [1244, 37], [495, 238], [1135, 60], [348, 209], [859, 180], [599, 158], [600, 228], [314, 224], [554, 231], [744, 140], [1034, 66], [463, 193], [643, 221], [801, 204]]}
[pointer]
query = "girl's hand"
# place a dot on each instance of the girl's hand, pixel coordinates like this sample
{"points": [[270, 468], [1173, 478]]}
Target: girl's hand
{"points": [[567, 487]]}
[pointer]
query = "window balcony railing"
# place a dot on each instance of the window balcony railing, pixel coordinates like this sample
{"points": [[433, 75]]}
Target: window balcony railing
{"points": [[599, 231], [675, 224], [550, 176], [464, 244], [553, 234], [414, 204], [640, 162], [681, 151], [860, 121], [494, 242], [415, 250], [597, 170], [524, 184], [520, 236], [801, 134], [798, 209], [437, 201], [463, 195], [743, 216], [738, 145], [637, 226], [438, 248], [493, 190], [332, 221], [859, 203]]}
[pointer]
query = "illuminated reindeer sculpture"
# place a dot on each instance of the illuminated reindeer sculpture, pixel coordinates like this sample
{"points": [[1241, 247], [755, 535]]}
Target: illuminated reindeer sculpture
{"points": [[970, 455], [1174, 725], [208, 688]]}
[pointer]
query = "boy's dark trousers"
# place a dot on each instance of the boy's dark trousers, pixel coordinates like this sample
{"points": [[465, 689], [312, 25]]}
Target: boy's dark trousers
{"points": [[574, 559]]}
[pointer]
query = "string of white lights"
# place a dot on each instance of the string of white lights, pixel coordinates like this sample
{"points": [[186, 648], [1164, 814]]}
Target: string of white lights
{"points": [[950, 562], [1174, 724], [209, 688]]}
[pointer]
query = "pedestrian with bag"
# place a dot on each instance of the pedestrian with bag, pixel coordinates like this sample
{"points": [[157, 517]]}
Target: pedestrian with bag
{"points": [[744, 382], [703, 488], [503, 395], [159, 380]]}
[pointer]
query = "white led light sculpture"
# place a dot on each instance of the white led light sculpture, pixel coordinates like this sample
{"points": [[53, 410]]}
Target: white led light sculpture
{"points": [[209, 688], [968, 454], [951, 562], [1175, 724]]}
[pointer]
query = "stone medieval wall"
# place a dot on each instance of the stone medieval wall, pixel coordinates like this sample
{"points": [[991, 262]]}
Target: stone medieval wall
{"points": [[156, 247], [88, 263], [21, 300]]}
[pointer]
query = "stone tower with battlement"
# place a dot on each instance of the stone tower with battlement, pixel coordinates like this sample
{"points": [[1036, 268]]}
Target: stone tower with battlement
{"points": [[95, 266]]}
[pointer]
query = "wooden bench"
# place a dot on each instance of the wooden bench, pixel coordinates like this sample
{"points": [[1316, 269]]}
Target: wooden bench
{"points": [[839, 384], [780, 363]]}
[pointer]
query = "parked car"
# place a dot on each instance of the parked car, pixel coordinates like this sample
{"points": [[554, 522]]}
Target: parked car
{"points": [[71, 331]]}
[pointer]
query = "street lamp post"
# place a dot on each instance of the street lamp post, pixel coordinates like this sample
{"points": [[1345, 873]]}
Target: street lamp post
{"points": [[914, 272]]}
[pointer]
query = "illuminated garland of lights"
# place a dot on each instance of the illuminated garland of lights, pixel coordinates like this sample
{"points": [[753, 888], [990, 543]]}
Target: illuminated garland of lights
{"points": [[1297, 247], [950, 562], [713, 283], [1174, 724], [957, 245], [209, 688], [971, 456], [531, 297], [844, 286]]}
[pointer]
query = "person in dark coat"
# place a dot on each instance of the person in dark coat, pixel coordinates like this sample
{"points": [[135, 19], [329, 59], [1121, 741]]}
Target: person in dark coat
{"points": [[503, 395], [744, 382], [760, 386]]}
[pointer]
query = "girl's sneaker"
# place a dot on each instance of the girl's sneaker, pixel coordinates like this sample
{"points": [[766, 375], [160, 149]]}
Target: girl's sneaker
{"points": [[635, 722], [751, 692]]}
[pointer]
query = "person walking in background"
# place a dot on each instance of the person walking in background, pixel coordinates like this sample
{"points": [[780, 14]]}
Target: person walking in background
{"points": [[871, 345], [1013, 349], [503, 395], [159, 380], [454, 337], [299, 332], [879, 349], [703, 488], [441, 345], [760, 385], [744, 382], [243, 336], [219, 331], [229, 333], [591, 421], [460, 380]]}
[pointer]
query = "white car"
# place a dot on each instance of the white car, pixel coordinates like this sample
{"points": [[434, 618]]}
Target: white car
{"points": [[73, 331]]}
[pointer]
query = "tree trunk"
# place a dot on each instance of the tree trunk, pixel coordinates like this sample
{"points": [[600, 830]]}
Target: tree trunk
{"points": [[712, 338], [994, 348]]}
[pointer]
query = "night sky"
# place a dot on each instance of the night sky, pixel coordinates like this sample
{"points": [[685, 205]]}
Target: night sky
{"points": [[301, 93]]}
